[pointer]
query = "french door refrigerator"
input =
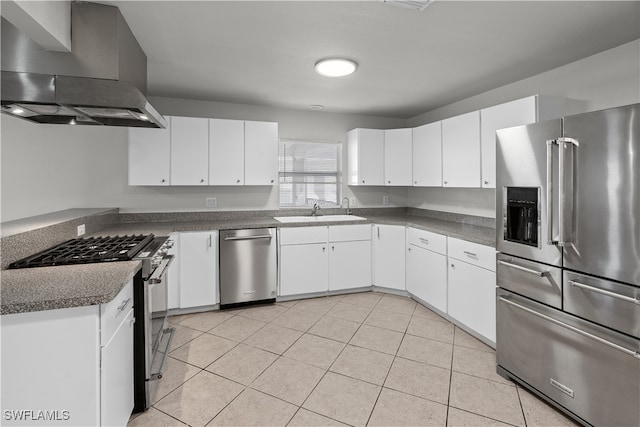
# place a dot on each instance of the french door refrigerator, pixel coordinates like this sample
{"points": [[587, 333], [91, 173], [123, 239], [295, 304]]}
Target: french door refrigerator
{"points": [[568, 272]]}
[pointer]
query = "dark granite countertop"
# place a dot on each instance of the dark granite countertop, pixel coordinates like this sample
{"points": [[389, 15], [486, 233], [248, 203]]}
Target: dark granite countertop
{"points": [[48, 288], [472, 233], [65, 286]]}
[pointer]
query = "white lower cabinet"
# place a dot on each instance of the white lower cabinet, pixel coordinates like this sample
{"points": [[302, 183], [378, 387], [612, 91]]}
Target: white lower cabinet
{"points": [[321, 259], [73, 364], [198, 269], [304, 269], [349, 265], [388, 242], [472, 287], [427, 267]]}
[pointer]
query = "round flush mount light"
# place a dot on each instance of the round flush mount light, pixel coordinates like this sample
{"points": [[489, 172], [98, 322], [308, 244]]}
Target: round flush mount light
{"points": [[336, 67], [316, 107]]}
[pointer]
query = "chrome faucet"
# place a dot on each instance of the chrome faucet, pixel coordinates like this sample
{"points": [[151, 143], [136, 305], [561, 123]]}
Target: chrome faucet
{"points": [[315, 209], [342, 203]]}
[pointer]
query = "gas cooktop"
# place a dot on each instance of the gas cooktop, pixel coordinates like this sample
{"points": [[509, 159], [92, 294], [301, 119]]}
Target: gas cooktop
{"points": [[87, 250]]}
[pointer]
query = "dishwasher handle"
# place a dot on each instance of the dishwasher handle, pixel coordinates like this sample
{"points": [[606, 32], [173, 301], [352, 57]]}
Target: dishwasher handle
{"points": [[260, 236]]}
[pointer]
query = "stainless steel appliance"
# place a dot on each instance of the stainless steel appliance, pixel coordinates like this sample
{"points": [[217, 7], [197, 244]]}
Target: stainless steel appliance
{"points": [[568, 233], [152, 337], [248, 266], [102, 81]]}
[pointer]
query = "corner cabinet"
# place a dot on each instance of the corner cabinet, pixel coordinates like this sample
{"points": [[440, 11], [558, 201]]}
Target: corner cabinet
{"points": [[388, 242], [397, 157], [198, 269], [461, 151], [365, 151], [75, 363], [150, 155], [427, 267], [427, 155]]}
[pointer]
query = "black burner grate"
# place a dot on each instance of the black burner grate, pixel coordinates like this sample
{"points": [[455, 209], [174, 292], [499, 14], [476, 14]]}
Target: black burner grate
{"points": [[87, 250]]}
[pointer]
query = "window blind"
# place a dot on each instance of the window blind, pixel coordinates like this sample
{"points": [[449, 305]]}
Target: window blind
{"points": [[309, 173]]}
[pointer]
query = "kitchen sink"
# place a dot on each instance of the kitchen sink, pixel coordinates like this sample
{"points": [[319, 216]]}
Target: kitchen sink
{"points": [[318, 218]]}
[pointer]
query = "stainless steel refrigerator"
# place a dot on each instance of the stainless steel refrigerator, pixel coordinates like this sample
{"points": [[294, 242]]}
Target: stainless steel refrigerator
{"points": [[568, 236]]}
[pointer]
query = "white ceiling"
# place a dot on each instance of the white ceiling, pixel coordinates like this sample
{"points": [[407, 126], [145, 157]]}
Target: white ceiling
{"points": [[410, 62]]}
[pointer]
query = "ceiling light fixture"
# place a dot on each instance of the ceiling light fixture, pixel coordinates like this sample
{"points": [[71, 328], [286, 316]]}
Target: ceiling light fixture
{"points": [[17, 111], [336, 67], [316, 107], [419, 5]]}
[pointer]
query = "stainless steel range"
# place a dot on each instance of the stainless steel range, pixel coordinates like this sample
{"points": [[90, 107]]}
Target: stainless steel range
{"points": [[152, 336], [568, 233]]}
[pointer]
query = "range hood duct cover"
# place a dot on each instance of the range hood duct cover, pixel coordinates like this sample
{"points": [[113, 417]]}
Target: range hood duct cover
{"points": [[102, 81]]}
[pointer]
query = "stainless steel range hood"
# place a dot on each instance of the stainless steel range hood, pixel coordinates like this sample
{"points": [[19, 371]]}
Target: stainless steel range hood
{"points": [[102, 81]]}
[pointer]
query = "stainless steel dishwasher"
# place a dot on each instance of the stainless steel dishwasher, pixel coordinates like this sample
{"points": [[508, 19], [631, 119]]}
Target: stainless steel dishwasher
{"points": [[248, 266]]}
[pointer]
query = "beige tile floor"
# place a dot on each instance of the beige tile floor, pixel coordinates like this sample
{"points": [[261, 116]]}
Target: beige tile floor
{"points": [[359, 359]]}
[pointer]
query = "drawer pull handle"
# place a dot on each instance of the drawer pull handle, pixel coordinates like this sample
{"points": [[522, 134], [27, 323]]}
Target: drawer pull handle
{"points": [[625, 350], [423, 240], [471, 254], [604, 292], [525, 269], [124, 304]]}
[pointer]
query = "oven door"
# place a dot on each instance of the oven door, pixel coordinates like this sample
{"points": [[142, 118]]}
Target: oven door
{"points": [[158, 335]]}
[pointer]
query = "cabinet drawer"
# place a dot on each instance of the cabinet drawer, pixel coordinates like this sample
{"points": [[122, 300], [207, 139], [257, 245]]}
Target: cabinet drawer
{"points": [[473, 253], [427, 240], [347, 233], [114, 312], [302, 235]]}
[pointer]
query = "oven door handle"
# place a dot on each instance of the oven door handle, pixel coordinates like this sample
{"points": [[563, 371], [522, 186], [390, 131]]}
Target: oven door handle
{"points": [[625, 350], [156, 277]]}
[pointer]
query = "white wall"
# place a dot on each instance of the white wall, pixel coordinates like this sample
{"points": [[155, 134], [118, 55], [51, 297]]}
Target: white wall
{"points": [[608, 79], [46, 168]]}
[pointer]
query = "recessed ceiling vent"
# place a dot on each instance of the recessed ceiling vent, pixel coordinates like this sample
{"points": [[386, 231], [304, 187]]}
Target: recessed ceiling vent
{"points": [[419, 5]]}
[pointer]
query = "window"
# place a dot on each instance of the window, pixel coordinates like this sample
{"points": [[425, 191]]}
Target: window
{"points": [[309, 173]]}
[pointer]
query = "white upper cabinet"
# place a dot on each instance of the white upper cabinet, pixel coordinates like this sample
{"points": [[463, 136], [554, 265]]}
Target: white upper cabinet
{"points": [[397, 157], [226, 152], [515, 113], [427, 155], [365, 151], [260, 153], [461, 150], [189, 151], [150, 155]]}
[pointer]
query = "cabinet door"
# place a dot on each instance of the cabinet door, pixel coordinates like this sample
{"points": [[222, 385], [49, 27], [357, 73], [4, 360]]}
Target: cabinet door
{"points": [[461, 151], [427, 276], [472, 297], [427, 155], [365, 151], [116, 376], [189, 151], [198, 269], [388, 256], [349, 265], [514, 113], [226, 152], [260, 153], [149, 155], [304, 269], [397, 157]]}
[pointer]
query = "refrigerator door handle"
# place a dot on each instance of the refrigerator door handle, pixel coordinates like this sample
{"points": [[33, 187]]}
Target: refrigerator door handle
{"points": [[550, 144], [565, 203], [605, 292]]}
